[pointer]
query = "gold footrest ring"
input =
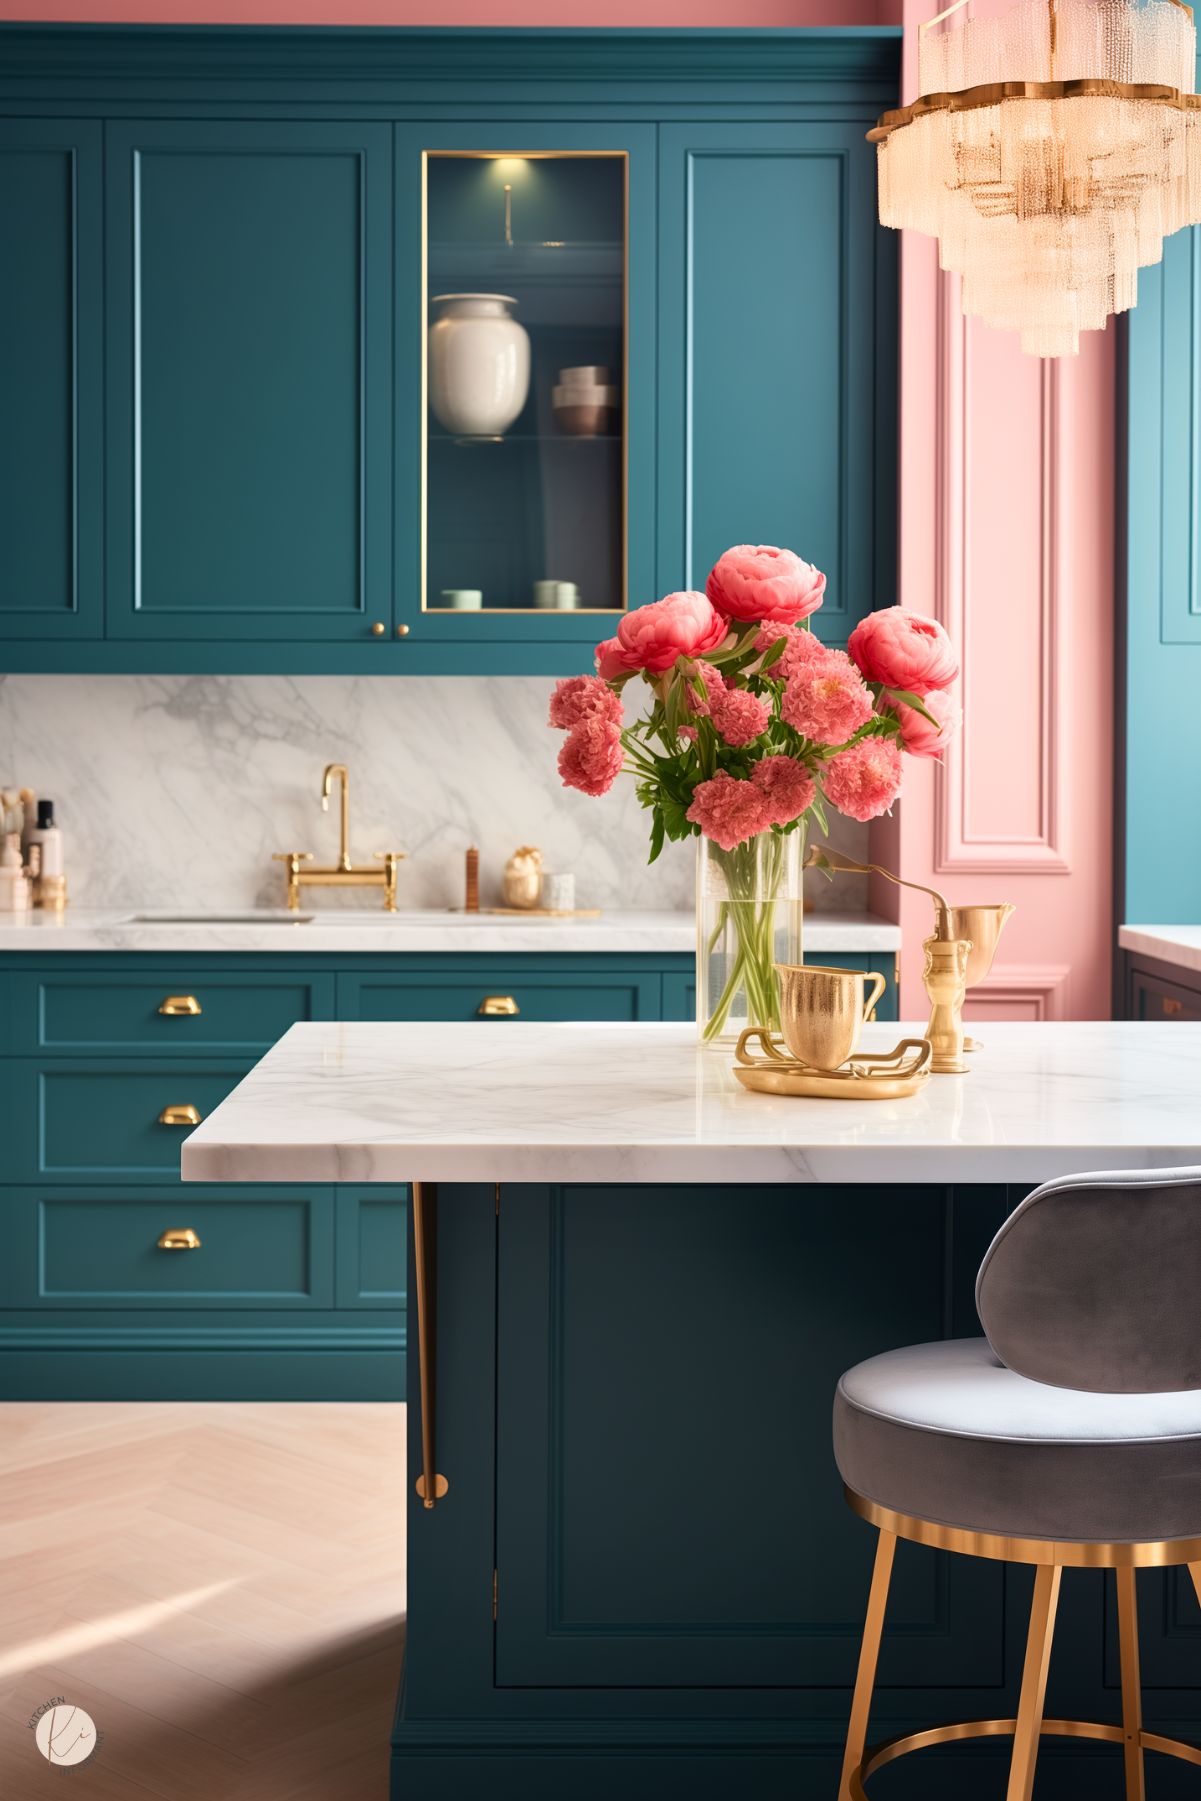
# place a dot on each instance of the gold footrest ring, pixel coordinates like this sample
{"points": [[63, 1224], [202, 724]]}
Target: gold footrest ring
{"points": [[879, 1755]]}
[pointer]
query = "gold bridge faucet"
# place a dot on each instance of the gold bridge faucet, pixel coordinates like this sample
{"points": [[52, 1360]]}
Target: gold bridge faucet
{"points": [[343, 873]]}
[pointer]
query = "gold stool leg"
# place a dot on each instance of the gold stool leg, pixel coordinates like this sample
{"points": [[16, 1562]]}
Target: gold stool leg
{"points": [[1034, 1682], [1194, 1570], [1132, 1700], [869, 1653]]}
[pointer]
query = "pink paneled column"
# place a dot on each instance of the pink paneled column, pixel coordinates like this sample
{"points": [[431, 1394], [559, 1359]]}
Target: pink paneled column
{"points": [[1006, 535]]}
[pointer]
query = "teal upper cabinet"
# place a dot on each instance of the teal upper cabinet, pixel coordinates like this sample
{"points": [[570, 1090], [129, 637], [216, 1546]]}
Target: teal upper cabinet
{"points": [[249, 375], [226, 270], [558, 220], [777, 367], [1162, 864], [50, 379]]}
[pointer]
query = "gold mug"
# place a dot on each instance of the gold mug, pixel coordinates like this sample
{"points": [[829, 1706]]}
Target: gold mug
{"points": [[822, 1010]]}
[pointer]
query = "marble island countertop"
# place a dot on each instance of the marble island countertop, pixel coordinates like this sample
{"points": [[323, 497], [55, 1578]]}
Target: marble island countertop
{"points": [[337, 930], [1180, 945], [525, 1102]]}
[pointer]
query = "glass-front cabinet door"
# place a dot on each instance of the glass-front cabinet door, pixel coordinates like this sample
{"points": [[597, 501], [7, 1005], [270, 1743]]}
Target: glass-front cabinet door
{"points": [[525, 381]]}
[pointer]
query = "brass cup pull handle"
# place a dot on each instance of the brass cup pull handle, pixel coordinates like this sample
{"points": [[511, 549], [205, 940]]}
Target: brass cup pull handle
{"points": [[1172, 1006], [498, 1006], [175, 1006], [179, 1238], [183, 1115]]}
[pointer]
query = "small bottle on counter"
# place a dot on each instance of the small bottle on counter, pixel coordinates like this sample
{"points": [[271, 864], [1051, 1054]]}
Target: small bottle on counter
{"points": [[14, 885], [50, 837]]}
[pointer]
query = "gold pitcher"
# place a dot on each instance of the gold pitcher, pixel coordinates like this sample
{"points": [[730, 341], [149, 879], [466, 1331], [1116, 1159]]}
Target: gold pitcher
{"points": [[822, 1011]]}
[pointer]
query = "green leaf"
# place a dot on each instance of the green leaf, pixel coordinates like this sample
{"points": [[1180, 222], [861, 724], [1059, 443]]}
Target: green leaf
{"points": [[772, 655], [817, 807], [657, 830], [915, 701]]}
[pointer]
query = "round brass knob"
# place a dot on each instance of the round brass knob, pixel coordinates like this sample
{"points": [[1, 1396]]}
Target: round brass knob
{"points": [[402, 631], [378, 629]]}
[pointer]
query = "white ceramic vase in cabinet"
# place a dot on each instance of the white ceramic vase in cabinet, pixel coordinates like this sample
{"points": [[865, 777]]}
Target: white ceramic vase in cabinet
{"points": [[479, 364]]}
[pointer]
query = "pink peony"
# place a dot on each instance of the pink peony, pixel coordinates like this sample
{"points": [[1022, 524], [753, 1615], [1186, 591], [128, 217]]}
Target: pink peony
{"points": [[918, 736], [729, 811], [738, 716], [827, 699], [757, 581], [864, 781], [787, 787], [591, 757], [904, 650], [680, 625], [612, 663], [581, 697]]}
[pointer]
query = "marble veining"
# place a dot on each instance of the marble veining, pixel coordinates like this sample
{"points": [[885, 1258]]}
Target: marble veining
{"points": [[173, 791], [1180, 945], [621, 931], [525, 1102]]}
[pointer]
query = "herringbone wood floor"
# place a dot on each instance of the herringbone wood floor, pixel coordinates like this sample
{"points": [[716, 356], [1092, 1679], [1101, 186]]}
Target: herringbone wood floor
{"points": [[220, 1586]]}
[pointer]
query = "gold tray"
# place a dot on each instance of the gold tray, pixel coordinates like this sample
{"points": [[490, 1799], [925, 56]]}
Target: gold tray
{"points": [[889, 1076]]}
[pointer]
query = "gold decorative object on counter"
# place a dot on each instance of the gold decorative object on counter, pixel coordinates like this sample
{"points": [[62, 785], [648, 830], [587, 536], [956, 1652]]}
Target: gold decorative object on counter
{"points": [[887, 1076], [471, 900], [958, 956], [983, 927], [822, 1011], [521, 884], [945, 976], [343, 874]]}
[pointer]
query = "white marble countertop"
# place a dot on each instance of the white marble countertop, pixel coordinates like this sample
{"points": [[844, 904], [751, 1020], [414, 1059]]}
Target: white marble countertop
{"points": [[1180, 945], [339, 930], [524, 1102]]}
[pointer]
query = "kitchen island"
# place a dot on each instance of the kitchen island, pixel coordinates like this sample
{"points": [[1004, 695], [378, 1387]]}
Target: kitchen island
{"points": [[639, 1573]]}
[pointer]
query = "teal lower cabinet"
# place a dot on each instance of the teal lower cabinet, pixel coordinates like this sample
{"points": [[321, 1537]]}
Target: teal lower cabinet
{"points": [[644, 1579], [116, 1281]]}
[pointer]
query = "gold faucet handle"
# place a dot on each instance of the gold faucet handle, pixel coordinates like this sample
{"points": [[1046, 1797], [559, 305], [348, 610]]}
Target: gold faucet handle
{"points": [[291, 856], [389, 856], [389, 859]]}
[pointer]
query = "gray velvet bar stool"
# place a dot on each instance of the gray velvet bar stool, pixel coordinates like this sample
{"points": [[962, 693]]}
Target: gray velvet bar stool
{"points": [[1068, 1438]]}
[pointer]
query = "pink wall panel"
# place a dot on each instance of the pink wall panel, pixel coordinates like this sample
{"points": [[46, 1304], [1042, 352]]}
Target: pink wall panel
{"points": [[1006, 513], [694, 13]]}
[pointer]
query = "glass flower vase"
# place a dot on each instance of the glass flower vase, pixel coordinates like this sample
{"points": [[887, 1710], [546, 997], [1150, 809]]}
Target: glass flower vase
{"points": [[749, 917]]}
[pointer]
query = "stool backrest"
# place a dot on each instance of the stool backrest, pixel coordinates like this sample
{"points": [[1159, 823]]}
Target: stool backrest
{"points": [[1094, 1283]]}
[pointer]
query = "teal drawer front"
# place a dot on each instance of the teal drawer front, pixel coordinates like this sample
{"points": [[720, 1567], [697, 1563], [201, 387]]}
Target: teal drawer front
{"points": [[260, 1247], [177, 1009], [372, 1246], [104, 1119], [501, 993]]}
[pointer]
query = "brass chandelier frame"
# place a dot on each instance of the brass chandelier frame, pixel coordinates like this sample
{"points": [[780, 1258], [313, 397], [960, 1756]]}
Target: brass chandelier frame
{"points": [[1050, 1558], [992, 93]]}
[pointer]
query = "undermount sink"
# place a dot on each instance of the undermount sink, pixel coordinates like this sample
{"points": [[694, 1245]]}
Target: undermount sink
{"points": [[221, 919]]}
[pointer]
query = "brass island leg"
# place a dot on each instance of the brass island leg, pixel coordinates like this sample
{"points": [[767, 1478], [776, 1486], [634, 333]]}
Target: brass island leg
{"points": [[430, 1486]]}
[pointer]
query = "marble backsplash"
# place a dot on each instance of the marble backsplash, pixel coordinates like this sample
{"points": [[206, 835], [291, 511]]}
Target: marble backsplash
{"points": [[173, 791]]}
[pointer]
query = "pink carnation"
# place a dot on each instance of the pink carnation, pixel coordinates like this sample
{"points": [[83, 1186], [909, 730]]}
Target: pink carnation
{"points": [[583, 697], [680, 625], [738, 716], [863, 781], [904, 650], [757, 581], [591, 757], [714, 686], [729, 811], [827, 699], [787, 787], [918, 736], [800, 648], [690, 732]]}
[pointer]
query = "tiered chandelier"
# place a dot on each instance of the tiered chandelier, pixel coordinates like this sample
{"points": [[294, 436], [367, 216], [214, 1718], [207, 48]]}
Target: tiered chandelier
{"points": [[1050, 152]]}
